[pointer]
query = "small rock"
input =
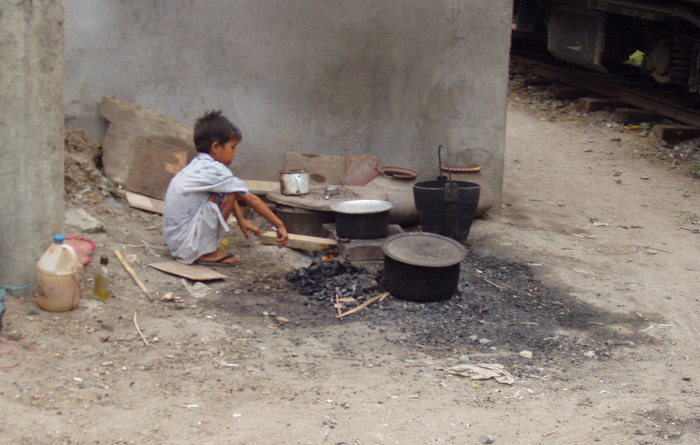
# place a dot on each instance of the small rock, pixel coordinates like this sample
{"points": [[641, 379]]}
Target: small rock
{"points": [[485, 438], [83, 221], [685, 194], [197, 290], [525, 354], [484, 341], [474, 338]]}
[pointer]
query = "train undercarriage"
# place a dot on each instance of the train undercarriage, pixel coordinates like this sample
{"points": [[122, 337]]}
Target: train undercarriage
{"points": [[662, 38]]}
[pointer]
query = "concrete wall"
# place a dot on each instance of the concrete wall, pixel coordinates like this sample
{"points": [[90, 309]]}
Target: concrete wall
{"points": [[393, 79], [31, 134]]}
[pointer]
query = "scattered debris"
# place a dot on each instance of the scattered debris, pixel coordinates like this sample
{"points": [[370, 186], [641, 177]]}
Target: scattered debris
{"points": [[82, 157], [486, 439], [3, 291], [329, 423], [197, 290], [482, 371], [139, 330], [170, 297], [657, 325], [135, 277], [379, 297]]}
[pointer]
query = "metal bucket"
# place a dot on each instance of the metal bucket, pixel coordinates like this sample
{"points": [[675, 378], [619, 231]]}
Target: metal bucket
{"points": [[294, 182], [446, 207]]}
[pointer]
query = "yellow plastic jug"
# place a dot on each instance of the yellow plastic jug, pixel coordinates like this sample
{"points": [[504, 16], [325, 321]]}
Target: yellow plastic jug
{"points": [[58, 276]]}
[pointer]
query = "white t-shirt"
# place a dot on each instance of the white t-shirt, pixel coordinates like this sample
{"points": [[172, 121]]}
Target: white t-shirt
{"points": [[192, 224]]}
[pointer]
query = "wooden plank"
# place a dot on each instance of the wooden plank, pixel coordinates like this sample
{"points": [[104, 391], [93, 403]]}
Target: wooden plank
{"points": [[262, 188], [129, 121], [323, 169], [144, 203], [153, 166], [301, 242], [592, 104], [194, 272]]}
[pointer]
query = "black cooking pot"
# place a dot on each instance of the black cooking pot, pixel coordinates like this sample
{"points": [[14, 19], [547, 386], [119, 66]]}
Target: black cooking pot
{"points": [[422, 266], [362, 218]]}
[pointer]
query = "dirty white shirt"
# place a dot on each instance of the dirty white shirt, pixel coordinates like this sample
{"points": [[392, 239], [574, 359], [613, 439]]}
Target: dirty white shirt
{"points": [[192, 224]]}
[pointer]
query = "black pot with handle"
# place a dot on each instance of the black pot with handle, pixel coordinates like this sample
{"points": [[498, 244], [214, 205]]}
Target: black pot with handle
{"points": [[422, 266]]}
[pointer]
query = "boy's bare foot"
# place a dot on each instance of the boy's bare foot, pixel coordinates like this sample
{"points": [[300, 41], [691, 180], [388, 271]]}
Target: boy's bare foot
{"points": [[220, 257]]}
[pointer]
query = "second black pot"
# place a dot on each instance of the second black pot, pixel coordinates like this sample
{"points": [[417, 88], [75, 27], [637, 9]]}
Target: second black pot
{"points": [[420, 266], [362, 218]]}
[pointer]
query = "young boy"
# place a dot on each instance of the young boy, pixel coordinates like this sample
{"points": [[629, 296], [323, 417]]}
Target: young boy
{"points": [[202, 195]]}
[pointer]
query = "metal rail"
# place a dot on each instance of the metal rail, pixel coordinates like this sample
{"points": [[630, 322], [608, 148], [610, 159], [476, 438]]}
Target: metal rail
{"points": [[617, 92]]}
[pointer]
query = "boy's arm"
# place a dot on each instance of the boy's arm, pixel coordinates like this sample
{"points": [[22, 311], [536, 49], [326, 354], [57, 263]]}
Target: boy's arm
{"points": [[243, 223], [257, 204]]}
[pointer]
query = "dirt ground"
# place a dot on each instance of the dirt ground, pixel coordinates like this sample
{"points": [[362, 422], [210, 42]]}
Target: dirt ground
{"points": [[585, 290]]}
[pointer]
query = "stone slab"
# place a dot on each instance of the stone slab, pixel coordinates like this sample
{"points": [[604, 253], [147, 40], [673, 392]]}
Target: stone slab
{"points": [[592, 104], [674, 134], [127, 122], [635, 116], [81, 220], [365, 250]]}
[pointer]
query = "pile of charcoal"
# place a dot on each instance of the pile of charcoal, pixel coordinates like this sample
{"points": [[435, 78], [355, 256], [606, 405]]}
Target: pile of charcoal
{"points": [[324, 280]]}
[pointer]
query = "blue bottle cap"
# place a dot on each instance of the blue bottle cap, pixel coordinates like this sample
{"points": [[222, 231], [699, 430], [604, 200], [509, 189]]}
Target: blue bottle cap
{"points": [[58, 238]]}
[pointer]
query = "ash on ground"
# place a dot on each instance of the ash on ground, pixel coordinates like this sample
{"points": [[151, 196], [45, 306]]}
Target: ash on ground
{"points": [[325, 280], [499, 308]]}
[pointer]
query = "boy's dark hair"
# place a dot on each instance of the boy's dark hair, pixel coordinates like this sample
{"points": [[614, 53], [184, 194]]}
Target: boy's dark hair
{"points": [[213, 127]]}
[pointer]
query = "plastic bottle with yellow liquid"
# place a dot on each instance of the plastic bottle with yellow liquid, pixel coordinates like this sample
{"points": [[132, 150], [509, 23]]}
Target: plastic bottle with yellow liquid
{"points": [[100, 287], [59, 277]]}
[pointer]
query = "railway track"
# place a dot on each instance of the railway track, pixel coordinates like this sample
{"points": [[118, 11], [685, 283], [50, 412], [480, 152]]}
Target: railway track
{"points": [[594, 83]]}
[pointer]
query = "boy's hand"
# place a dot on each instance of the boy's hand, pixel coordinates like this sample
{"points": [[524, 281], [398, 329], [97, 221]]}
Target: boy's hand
{"points": [[282, 236], [247, 226]]}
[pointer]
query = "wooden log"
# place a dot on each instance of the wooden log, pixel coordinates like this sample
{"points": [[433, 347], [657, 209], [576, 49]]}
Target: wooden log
{"points": [[135, 277], [300, 242], [381, 296]]}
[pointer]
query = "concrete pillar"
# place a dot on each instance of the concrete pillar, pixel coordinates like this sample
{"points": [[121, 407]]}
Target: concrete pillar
{"points": [[31, 134]]}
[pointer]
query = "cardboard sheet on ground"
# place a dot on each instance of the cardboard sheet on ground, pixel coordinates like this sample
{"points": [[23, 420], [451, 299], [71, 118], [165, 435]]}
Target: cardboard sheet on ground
{"points": [[144, 202], [193, 272]]}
